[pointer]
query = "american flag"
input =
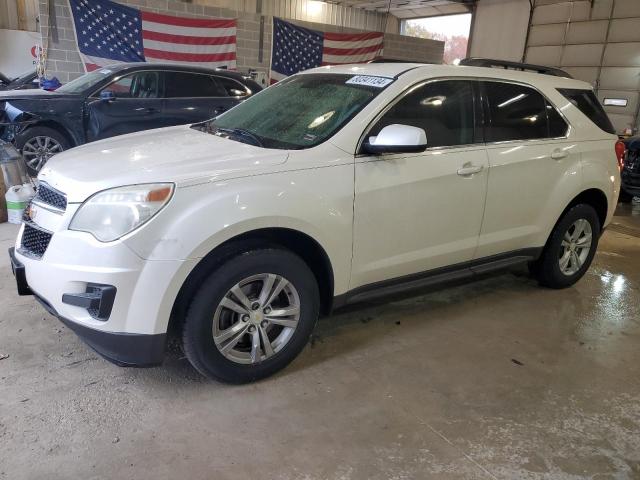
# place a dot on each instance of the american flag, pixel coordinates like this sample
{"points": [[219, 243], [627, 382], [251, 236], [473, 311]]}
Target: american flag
{"points": [[108, 32], [297, 48]]}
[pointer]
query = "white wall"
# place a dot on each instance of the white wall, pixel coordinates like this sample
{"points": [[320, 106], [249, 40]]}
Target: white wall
{"points": [[16, 51], [500, 29], [596, 41]]}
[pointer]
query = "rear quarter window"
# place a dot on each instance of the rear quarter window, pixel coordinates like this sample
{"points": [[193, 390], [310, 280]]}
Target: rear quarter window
{"points": [[587, 103]]}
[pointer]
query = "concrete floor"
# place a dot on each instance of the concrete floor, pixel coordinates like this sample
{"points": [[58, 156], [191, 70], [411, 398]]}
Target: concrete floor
{"points": [[494, 379]]}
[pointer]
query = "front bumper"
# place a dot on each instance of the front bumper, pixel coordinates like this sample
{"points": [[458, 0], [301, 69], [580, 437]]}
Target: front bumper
{"points": [[134, 334], [122, 349]]}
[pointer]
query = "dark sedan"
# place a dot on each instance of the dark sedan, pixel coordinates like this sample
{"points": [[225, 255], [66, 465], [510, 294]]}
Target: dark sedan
{"points": [[113, 101], [630, 173]]}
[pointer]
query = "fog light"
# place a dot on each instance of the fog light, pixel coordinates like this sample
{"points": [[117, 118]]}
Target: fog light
{"points": [[97, 300]]}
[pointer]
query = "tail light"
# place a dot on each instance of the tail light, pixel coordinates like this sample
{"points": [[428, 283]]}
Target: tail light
{"points": [[621, 149]]}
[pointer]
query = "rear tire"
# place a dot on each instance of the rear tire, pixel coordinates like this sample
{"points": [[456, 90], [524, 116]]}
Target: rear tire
{"points": [[570, 248], [237, 333]]}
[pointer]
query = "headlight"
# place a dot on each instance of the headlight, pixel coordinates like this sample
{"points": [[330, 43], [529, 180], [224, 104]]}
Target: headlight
{"points": [[111, 214]]}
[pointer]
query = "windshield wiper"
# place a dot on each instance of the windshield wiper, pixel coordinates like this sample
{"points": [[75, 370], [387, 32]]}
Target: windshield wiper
{"points": [[241, 132]]}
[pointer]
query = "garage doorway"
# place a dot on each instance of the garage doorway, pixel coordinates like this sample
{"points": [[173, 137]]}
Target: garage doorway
{"points": [[453, 30]]}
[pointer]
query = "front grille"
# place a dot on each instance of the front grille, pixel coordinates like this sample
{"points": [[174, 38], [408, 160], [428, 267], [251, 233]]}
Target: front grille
{"points": [[50, 196], [34, 241]]}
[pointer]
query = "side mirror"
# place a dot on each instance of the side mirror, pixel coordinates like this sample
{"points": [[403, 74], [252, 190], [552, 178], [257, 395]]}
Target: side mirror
{"points": [[107, 96], [397, 139]]}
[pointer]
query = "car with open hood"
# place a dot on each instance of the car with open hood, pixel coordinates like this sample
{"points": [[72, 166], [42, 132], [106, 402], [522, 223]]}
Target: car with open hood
{"points": [[27, 81], [333, 186]]}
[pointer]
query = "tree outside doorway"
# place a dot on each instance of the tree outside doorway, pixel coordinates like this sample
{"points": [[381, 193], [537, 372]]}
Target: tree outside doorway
{"points": [[453, 30]]}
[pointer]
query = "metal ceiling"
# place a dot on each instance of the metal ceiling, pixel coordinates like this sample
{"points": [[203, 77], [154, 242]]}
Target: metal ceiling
{"points": [[412, 8]]}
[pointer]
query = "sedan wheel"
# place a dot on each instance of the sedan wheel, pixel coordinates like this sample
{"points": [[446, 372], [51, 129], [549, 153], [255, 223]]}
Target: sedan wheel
{"points": [[37, 150], [256, 318]]}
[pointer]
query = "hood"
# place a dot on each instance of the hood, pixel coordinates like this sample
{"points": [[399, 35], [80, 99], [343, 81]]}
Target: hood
{"points": [[21, 105], [175, 154], [30, 94]]}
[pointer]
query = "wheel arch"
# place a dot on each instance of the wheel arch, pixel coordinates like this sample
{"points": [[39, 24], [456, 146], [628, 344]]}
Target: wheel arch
{"points": [[594, 197], [57, 126], [302, 244]]}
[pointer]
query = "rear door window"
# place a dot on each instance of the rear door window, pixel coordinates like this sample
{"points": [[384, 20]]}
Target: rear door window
{"points": [[190, 85], [557, 125], [516, 112], [587, 103]]}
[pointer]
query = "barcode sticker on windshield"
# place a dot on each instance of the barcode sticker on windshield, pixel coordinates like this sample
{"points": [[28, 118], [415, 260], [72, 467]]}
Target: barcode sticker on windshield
{"points": [[369, 81]]}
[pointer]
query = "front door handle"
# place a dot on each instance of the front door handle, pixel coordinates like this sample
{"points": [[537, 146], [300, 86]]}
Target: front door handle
{"points": [[558, 154], [469, 169]]}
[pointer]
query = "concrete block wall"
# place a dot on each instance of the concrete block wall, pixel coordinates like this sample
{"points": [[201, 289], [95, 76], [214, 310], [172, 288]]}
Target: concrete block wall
{"points": [[412, 49], [64, 60]]}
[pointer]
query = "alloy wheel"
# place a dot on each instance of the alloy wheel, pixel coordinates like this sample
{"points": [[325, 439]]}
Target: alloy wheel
{"points": [[575, 247], [37, 150], [256, 318]]}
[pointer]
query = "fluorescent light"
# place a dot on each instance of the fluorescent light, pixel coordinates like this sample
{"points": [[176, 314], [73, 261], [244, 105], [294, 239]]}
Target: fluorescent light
{"points": [[512, 100], [615, 102], [434, 101], [314, 8]]}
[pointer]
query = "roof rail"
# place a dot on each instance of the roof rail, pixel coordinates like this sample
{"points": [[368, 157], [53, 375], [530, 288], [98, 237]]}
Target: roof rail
{"points": [[392, 60], [525, 67]]}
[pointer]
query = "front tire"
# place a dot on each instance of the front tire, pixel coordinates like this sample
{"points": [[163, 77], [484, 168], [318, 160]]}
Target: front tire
{"points": [[252, 316], [38, 145], [570, 248]]}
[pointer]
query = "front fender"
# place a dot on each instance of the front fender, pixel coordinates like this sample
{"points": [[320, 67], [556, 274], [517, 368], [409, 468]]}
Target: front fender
{"points": [[317, 202], [65, 115]]}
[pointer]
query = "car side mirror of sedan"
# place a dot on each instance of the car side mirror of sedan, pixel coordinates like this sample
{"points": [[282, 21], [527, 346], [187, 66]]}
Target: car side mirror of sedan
{"points": [[107, 96], [396, 138]]}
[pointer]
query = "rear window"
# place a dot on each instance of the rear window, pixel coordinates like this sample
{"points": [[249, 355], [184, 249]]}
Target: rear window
{"points": [[191, 85], [588, 104]]}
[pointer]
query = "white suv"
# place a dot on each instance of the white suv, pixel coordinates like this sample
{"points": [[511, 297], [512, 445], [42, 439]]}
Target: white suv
{"points": [[333, 186]]}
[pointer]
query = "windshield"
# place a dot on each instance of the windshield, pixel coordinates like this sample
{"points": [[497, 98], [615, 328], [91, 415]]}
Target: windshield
{"points": [[298, 112], [86, 81]]}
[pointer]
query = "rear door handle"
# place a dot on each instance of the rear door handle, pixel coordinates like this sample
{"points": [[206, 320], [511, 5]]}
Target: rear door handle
{"points": [[152, 110], [469, 169], [558, 154]]}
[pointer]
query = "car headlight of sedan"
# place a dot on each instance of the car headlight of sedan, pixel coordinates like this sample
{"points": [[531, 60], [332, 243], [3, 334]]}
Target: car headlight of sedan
{"points": [[111, 214]]}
